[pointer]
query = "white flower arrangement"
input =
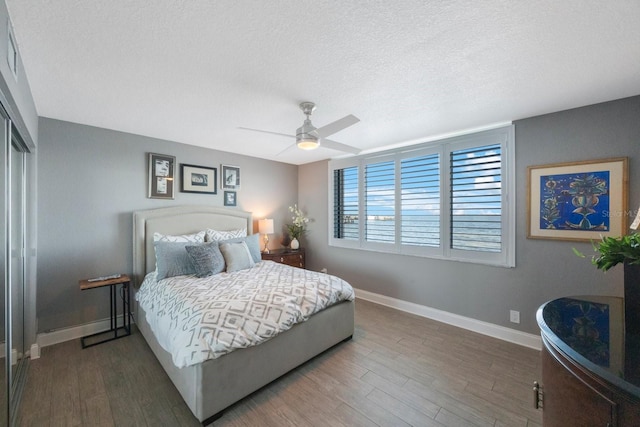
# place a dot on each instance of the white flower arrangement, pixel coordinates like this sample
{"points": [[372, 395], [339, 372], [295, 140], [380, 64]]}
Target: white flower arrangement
{"points": [[300, 222]]}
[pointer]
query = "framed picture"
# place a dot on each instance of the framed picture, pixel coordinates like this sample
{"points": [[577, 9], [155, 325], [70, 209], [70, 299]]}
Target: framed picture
{"points": [[161, 173], [230, 177], [230, 198], [579, 201], [198, 179]]}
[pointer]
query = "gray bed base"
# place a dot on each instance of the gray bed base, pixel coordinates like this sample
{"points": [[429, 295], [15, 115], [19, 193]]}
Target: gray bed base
{"points": [[209, 388]]}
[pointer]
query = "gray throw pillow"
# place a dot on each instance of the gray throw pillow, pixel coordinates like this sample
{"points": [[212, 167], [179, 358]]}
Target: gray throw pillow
{"points": [[236, 256], [206, 259], [172, 259], [253, 243]]}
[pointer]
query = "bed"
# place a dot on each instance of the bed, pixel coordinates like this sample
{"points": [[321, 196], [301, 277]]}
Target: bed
{"points": [[208, 388]]}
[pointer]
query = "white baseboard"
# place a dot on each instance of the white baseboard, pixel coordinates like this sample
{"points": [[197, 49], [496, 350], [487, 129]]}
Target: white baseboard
{"points": [[67, 334], [34, 352], [14, 353], [485, 328]]}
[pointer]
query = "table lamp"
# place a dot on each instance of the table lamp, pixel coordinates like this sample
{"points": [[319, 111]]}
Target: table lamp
{"points": [[265, 226]]}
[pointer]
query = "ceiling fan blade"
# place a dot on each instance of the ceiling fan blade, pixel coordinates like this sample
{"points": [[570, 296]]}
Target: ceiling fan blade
{"points": [[337, 126], [288, 147], [327, 143], [266, 131]]}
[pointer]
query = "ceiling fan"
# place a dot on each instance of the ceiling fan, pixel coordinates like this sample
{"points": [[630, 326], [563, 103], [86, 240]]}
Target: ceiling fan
{"points": [[308, 137]]}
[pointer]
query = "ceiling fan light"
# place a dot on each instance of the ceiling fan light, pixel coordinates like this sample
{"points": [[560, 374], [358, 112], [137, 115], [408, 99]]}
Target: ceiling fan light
{"points": [[307, 137], [308, 143]]}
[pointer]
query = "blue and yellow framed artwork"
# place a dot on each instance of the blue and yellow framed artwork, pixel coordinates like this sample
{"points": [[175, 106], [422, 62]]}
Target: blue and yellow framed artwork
{"points": [[580, 201]]}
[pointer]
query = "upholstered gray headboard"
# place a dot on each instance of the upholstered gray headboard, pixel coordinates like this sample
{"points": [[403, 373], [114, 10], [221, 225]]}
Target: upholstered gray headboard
{"points": [[178, 220]]}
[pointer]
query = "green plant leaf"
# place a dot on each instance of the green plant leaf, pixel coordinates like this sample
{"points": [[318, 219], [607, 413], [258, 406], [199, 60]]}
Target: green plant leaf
{"points": [[612, 251], [578, 253]]}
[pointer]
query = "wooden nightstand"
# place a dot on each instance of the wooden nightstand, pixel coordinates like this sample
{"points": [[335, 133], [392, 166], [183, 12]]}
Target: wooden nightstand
{"points": [[286, 256]]}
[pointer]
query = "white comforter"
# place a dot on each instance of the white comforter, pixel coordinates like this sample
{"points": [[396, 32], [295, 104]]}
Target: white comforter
{"points": [[198, 319]]}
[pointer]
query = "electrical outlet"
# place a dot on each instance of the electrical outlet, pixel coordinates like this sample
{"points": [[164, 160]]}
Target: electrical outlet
{"points": [[514, 316], [324, 270]]}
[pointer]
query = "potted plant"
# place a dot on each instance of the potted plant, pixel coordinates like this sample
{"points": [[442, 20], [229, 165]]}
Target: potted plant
{"points": [[625, 250]]}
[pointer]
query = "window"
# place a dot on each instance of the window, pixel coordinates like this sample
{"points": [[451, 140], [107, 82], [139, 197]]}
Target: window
{"points": [[476, 199], [444, 199], [345, 214], [420, 200], [379, 191]]}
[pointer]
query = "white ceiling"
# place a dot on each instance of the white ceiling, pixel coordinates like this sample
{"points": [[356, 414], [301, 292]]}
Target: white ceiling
{"points": [[193, 71]]}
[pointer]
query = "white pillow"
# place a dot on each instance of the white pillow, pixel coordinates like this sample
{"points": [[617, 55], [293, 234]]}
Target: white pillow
{"points": [[216, 235], [194, 238]]}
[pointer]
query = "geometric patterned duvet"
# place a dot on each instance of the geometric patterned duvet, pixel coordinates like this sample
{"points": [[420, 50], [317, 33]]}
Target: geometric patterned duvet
{"points": [[196, 319]]}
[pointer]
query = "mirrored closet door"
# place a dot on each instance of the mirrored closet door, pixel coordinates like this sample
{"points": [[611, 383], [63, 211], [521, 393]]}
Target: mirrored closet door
{"points": [[12, 265], [4, 375]]}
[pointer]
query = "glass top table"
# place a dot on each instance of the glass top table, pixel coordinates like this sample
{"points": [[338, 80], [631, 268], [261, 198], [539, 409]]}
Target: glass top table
{"points": [[591, 330]]}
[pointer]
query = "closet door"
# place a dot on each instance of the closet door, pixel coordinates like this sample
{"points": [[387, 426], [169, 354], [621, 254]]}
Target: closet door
{"points": [[12, 265], [17, 231], [5, 336]]}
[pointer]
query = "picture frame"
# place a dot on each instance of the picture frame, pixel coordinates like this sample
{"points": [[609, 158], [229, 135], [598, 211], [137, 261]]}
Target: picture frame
{"points": [[161, 176], [230, 198], [578, 201], [230, 177], [198, 179]]}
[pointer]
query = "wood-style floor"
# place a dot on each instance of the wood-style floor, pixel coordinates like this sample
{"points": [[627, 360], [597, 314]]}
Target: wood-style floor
{"points": [[399, 370]]}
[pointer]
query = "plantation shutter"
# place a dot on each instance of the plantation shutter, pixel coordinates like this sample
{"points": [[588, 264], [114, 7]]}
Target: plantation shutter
{"points": [[420, 200], [345, 206], [380, 202], [476, 199]]}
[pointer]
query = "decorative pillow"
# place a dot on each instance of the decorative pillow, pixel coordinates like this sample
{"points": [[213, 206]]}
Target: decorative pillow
{"points": [[236, 256], [206, 259], [193, 238], [253, 243], [172, 259], [217, 236]]}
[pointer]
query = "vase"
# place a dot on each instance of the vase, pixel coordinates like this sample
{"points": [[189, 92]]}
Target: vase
{"points": [[295, 244]]}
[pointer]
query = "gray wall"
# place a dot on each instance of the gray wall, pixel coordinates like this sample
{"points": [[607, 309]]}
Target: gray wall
{"points": [[90, 180], [544, 270]]}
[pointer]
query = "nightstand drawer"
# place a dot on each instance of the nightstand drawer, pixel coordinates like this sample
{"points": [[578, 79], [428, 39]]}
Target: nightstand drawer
{"points": [[286, 256]]}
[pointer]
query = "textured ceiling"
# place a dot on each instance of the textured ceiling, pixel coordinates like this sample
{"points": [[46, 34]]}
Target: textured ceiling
{"points": [[193, 71]]}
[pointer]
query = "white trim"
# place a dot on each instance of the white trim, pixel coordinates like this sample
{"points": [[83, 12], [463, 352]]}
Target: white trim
{"points": [[14, 354], [485, 328], [34, 353], [67, 334]]}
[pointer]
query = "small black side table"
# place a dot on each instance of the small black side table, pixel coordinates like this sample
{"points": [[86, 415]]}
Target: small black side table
{"points": [[125, 294]]}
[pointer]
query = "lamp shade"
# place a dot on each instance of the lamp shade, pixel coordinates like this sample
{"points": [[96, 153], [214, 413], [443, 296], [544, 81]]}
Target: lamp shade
{"points": [[265, 226]]}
